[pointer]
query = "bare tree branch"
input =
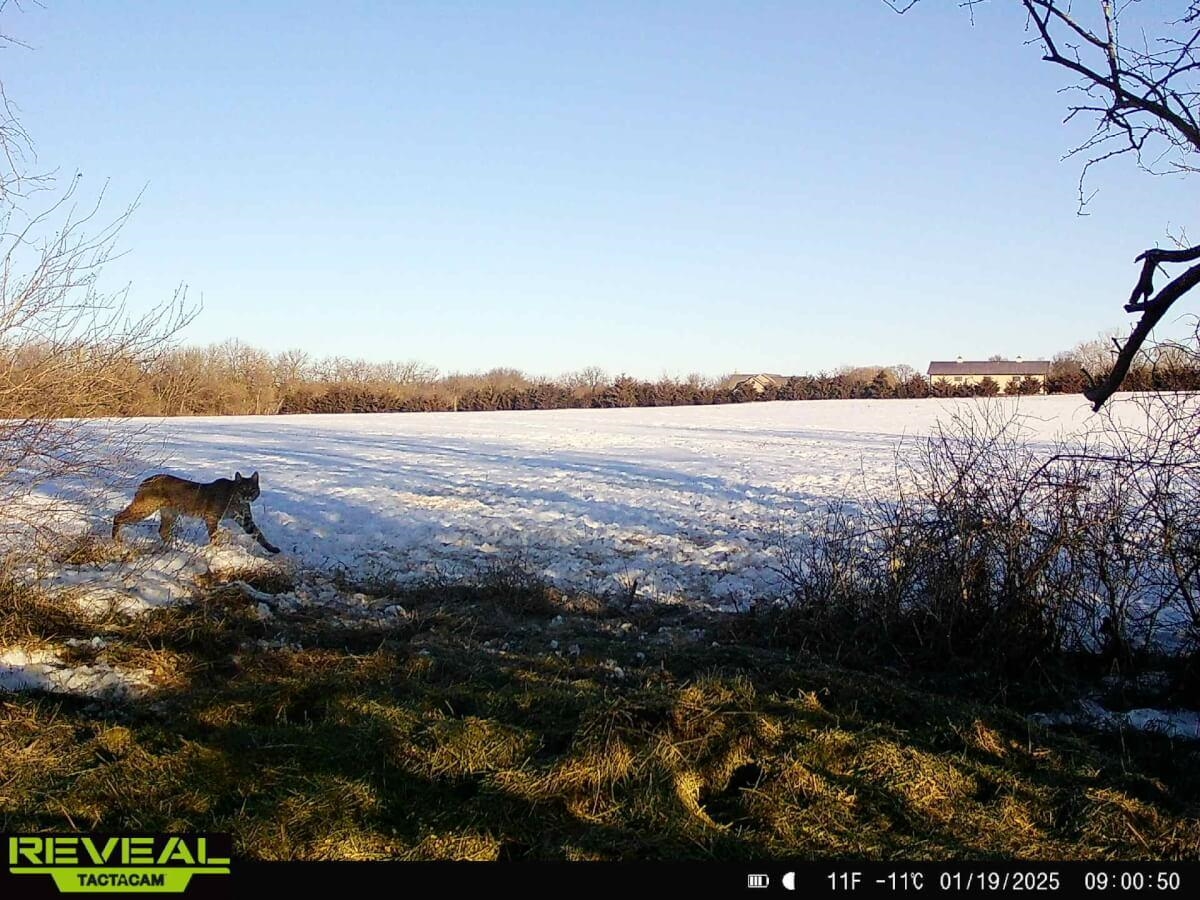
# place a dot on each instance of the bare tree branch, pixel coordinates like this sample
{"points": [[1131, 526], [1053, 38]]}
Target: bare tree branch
{"points": [[69, 349], [1145, 98], [1152, 312]]}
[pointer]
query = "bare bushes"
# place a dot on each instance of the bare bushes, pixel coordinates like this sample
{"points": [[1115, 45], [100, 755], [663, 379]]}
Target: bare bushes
{"points": [[1155, 458], [67, 348], [999, 556]]}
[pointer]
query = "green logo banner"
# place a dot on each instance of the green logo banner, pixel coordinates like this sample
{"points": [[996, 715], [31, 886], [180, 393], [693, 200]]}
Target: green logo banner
{"points": [[118, 864]]}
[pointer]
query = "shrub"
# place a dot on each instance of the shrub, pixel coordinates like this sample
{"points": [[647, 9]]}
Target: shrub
{"points": [[1002, 559]]}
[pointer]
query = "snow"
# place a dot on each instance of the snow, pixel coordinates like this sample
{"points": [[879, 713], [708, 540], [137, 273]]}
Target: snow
{"points": [[43, 670], [1179, 724], [679, 504], [164, 578], [121, 589], [670, 503]]}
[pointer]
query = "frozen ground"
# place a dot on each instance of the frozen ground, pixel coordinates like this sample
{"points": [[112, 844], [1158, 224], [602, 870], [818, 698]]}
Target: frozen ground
{"points": [[1182, 724], [42, 669], [684, 502]]}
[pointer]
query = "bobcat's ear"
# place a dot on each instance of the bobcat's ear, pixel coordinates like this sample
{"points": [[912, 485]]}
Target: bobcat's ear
{"points": [[237, 476], [254, 478]]}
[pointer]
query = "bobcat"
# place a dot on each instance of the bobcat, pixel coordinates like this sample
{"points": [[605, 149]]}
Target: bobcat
{"points": [[169, 496]]}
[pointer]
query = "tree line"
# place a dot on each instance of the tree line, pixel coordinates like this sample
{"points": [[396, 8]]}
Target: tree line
{"points": [[235, 379]]}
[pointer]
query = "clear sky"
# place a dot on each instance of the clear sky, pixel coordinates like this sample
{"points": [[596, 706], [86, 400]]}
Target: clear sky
{"points": [[645, 186]]}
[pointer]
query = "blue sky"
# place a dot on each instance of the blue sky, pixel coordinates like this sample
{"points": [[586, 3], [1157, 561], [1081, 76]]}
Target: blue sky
{"points": [[649, 187]]}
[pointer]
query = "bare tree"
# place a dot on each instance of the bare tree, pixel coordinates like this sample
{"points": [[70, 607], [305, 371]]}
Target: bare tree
{"points": [[502, 378], [412, 371], [67, 348], [1136, 71]]}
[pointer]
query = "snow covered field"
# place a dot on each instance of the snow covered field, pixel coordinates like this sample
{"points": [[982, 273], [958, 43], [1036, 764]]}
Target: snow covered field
{"points": [[680, 504], [686, 502]]}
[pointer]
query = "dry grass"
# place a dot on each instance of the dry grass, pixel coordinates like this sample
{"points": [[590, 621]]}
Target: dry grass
{"points": [[93, 549], [462, 734]]}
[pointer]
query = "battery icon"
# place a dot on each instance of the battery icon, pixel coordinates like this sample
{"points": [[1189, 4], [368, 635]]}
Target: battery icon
{"points": [[758, 881]]}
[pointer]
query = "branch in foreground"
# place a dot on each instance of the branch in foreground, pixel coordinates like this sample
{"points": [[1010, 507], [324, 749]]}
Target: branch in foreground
{"points": [[1152, 312]]}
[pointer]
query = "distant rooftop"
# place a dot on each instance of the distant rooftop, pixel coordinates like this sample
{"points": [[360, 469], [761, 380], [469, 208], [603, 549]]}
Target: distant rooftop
{"points": [[990, 367], [742, 376]]}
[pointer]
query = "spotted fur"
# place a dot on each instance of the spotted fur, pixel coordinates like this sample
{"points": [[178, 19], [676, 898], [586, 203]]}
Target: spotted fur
{"points": [[171, 497]]}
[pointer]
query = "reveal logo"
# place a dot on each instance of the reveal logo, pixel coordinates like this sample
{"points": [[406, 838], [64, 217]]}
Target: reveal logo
{"points": [[103, 864]]}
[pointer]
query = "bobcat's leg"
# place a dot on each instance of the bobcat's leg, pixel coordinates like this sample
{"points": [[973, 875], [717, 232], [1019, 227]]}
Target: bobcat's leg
{"points": [[137, 510], [262, 539], [166, 523], [212, 522], [249, 527]]}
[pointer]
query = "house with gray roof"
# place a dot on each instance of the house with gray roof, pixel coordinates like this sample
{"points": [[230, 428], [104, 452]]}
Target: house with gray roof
{"points": [[757, 382], [964, 372]]}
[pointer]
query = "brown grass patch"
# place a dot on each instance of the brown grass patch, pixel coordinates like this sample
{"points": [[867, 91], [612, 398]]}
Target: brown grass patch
{"points": [[464, 737]]}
